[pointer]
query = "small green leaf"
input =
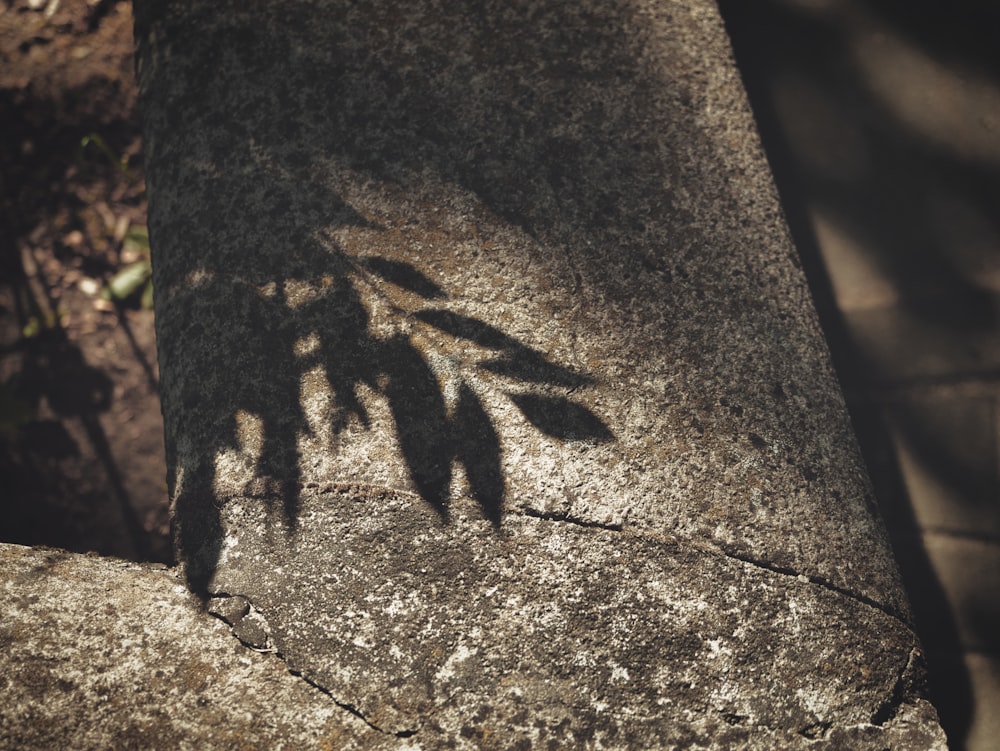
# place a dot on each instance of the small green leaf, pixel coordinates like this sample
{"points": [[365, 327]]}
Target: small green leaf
{"points": [[32, 328], [43, 321], [137, 239], [128, 281], [121, 162], [147, 296]]}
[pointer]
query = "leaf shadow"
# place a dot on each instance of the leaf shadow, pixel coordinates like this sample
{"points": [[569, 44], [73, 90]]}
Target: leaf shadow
{"points": [[402, 275], [434, 433], [422, 423], [561, 418], [479, 451]]}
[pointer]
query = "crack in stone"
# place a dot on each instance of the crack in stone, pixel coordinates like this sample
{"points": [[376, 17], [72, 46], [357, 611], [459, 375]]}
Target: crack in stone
{"points": [[714, 549], [901, 691], [375, 491], [406, 733], [232, 609], [816, 580], [563, 516], [816, 730]]}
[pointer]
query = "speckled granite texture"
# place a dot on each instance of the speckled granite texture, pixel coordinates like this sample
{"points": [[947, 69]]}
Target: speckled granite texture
{"points": [[492, 384], [100, 653]]}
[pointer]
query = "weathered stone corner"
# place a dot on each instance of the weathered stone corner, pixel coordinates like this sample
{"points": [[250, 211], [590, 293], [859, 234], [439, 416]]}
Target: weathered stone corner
{"points": [[99, 653]]}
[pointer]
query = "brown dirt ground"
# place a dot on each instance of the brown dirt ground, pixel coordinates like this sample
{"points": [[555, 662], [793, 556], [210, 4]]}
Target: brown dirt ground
{"points": [[81, 437]]}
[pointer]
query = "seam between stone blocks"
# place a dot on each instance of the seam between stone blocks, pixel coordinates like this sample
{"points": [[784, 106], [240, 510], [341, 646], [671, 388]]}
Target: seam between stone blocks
{"points": [[818, 581], [349, 708], [706, 547], [699, 546], [726, 552]]}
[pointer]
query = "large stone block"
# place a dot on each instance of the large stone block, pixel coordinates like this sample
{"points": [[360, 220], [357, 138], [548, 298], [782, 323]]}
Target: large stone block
{"points": [[494, 396]]}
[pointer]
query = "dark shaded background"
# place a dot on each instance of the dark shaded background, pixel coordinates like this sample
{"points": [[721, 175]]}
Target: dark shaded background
{"points": [[81, 438]]}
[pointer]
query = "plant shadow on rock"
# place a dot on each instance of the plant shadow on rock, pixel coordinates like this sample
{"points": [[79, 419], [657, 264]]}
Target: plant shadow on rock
{"points": [[557, 145], [321, 320]]}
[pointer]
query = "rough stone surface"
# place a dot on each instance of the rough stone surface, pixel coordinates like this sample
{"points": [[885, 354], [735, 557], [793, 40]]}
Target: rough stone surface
{"points": [[550, 630], [492, 388], [102, 654], [379, 226]]}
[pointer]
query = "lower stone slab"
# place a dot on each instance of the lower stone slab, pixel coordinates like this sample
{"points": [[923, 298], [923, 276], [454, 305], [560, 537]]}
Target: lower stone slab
{"points": [[98, 653], [546, 630]]}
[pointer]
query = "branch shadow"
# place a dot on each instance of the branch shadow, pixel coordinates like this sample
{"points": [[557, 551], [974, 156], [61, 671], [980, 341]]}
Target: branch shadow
{"points": [[434, 434], [558, 145], [54, 371]]}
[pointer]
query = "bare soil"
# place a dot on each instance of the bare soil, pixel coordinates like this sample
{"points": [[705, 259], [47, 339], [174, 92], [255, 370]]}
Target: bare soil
{"points": [[81, 436]]}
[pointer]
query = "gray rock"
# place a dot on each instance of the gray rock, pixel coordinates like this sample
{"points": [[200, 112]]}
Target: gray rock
{"points": [[551, 630], [564, 225], [492, 386], [102, 654]]}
